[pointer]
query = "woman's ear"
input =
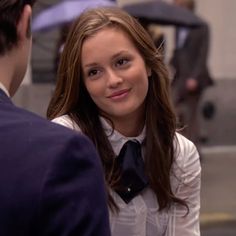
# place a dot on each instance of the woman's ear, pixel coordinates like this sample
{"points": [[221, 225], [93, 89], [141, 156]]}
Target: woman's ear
{"points": [[24, 24], [149, 71]]}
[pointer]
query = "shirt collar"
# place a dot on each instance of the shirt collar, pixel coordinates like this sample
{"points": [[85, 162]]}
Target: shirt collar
{"points": [[4, 89], [116, 139]]}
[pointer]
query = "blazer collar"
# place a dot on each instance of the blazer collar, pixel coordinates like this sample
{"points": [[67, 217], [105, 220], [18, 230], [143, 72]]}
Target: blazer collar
{"points": [[4, 97]]}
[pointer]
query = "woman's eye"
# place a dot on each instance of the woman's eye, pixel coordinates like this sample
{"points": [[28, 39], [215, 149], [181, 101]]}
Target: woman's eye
{"points": [[92, 72], [122, 62]]}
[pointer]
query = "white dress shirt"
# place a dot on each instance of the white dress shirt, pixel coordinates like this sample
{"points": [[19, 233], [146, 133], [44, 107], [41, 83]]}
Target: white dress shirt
{"points": [[182, 36], [4, 89], [140, 217]]}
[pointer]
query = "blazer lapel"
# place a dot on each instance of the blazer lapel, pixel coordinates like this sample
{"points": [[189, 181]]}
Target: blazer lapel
{"points": [[4, 98]]}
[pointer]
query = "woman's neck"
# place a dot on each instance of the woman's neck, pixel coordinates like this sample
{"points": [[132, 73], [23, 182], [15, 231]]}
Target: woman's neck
{"points": [[128, 126]]}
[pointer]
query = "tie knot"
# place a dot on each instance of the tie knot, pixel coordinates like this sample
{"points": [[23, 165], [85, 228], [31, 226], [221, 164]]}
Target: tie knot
{"points": [[131, 148], [133, 178]]}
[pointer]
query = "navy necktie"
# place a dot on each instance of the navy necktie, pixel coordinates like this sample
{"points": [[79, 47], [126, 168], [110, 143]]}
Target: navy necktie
{"points": [[133, 178]]}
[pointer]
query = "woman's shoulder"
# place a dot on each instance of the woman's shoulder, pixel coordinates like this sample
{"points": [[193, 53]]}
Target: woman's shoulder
{"points": [[186, 166], [183, 145], [185, 151], [66, 121]]}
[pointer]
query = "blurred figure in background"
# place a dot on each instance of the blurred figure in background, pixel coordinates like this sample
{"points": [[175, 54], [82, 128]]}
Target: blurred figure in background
{"points": [[191, 76]]}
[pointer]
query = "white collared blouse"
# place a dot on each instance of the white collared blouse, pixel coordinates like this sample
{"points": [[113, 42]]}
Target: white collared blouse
{"points": [[140, 217], [4, 89]]}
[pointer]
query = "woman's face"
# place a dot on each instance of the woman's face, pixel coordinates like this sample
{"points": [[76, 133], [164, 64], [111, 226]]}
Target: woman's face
{"points": [[115, 74]]}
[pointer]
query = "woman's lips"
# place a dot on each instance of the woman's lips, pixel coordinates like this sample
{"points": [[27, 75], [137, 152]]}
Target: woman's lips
{"points": [[119, 94]]}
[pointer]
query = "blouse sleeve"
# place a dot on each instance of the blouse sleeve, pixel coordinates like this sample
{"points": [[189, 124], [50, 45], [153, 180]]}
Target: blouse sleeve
{"points": [[186, 183], [66, 121]]}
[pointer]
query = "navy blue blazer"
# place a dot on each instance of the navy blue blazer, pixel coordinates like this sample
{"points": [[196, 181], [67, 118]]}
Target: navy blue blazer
{"points": [[51, 180]]}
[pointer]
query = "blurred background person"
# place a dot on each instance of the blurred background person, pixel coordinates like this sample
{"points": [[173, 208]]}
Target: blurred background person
{"points": [[190, 73]]}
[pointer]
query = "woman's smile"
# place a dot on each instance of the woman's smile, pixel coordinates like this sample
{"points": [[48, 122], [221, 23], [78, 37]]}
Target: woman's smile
{"points": [[119, 95]]}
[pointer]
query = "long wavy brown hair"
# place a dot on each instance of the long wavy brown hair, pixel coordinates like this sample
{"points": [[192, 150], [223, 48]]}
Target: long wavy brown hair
{"points": [[71, 98]]}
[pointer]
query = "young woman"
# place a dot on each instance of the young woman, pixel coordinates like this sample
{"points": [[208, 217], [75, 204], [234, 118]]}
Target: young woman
{"points": [[113, 86]]}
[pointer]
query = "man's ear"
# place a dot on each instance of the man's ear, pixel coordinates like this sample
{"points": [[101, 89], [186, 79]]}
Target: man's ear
{"points": [[24, 24]]}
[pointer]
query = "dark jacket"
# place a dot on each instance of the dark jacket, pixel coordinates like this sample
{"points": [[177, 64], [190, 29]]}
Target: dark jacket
{"points": [[190, 61], [51, 180]]}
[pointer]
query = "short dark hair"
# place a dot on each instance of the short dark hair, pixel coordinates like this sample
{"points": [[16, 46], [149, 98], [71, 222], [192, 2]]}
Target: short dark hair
{"points": [[10, 12]]}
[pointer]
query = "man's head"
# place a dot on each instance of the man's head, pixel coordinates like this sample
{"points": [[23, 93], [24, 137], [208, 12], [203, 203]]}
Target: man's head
{"points": [[10, 14], [189, 4], [15, 40]]}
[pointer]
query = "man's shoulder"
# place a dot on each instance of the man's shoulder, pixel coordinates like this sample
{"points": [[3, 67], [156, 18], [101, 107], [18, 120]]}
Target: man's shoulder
{"points": [[40, 132], [40, 126]]}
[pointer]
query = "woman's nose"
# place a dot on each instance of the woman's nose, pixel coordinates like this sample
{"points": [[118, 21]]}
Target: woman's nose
{"points": [[113, 79]]}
